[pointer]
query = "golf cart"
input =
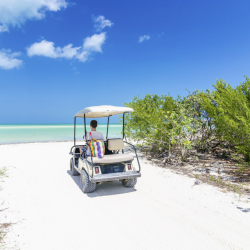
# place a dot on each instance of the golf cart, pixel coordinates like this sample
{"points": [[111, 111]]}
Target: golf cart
{"points": [[116, 165]]}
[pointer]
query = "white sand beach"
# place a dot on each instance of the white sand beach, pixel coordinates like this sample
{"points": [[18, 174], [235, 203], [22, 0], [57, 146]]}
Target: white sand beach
{"points": [[164, 210]]}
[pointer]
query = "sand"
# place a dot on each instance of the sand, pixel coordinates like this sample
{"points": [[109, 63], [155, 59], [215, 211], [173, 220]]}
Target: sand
{"points": [[164, 211]]}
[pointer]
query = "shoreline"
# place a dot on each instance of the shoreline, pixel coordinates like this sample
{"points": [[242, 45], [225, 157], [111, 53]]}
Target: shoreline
{"points": [[26, 133], [15, 143]]}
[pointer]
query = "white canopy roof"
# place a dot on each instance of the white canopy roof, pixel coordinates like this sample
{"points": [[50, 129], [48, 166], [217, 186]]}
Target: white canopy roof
{"points": [[102, 111]]}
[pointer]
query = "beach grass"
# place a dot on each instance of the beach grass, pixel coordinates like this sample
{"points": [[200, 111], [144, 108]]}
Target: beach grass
{"points": [[3, 172]]}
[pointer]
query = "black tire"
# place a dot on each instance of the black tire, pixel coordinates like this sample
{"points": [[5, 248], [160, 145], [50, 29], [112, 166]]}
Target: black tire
{"points": [[129, 183], [86, 185], [72, 169]]}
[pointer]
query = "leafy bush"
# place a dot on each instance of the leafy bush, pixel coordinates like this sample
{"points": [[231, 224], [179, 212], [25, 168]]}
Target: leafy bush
{"points": [[148, 117], [202, 120], [229, 109], [161, 122], [202, 123]]}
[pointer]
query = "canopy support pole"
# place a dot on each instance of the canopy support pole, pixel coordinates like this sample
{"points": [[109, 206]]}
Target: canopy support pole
{"points": [[123, 125], [107, 129], [74, 131], [85, 128]]}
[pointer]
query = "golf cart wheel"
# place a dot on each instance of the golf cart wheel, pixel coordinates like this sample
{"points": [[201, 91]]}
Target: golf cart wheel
{"points": [[129, 182], [72, 169], [86, 185]]}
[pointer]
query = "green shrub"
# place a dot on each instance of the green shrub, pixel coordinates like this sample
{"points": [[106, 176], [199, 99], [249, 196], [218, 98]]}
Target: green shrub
{"points": [[161, 122], [148, 117], [202, 122], [165, 123], [229, 109]]}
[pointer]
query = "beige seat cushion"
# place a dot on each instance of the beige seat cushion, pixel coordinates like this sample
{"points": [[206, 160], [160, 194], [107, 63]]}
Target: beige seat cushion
{"points": [[115, 144], [108, 159]]}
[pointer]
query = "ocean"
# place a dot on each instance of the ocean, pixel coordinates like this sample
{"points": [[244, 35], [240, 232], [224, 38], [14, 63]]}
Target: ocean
{"points": [[51, 132]]}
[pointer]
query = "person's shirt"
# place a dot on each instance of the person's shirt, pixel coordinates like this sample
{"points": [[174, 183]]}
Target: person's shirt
{"points": [[95, 135]]}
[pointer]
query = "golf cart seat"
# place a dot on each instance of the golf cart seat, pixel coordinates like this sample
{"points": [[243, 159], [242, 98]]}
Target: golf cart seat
{"points": [[109, 159], [115, 144]]}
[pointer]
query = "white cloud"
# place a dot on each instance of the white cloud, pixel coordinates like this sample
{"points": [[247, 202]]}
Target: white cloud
{"points": [[94, 43], [8, 60], [16, 12], [4, 28], [143, 38], [47, 49], [101, 23], [82, 53]]}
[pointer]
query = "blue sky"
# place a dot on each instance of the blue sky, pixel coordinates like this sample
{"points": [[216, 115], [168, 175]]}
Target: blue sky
{"points": [[60, 56]]}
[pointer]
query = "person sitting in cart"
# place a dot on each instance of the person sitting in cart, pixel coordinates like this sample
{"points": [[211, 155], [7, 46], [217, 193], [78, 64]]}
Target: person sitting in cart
{"points": [[94, 134]]}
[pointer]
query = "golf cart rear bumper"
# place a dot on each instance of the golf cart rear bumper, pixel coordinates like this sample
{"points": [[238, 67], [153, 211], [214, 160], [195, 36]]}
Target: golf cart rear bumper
{"points": [[115, 176]]}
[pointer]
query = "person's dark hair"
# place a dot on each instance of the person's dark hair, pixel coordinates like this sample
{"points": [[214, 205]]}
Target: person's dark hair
{"points": [[93, 123]]}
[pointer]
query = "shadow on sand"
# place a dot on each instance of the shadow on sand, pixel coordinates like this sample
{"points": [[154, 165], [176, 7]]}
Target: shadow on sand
{"points": [[105, 189]]}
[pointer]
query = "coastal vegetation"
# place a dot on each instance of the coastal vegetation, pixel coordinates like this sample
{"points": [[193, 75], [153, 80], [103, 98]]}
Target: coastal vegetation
{"points": [[200, 121]]}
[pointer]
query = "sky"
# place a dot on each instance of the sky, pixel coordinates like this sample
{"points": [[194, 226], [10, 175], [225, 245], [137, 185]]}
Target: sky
{"points": [[59, 56]]}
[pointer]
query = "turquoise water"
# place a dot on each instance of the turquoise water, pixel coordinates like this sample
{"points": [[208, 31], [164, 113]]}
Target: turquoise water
{"points": [[54, 132]]}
